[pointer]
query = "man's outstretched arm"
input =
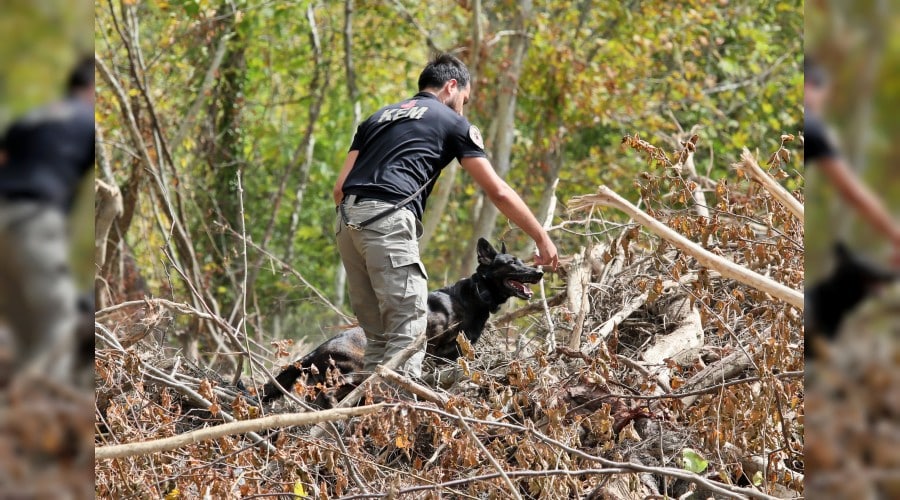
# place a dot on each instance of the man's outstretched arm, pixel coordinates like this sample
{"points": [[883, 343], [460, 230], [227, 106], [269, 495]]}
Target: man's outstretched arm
{"points": [[862, 199], [512, 206]]}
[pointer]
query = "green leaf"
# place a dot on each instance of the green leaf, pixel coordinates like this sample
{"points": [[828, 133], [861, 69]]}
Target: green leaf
{"points": [[757, 478], [191, 7], [729, 66], [693, 461]]}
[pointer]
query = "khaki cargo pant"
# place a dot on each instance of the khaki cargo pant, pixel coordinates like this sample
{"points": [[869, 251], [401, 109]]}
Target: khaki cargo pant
{"points": [[387, 281], [37, 293]]}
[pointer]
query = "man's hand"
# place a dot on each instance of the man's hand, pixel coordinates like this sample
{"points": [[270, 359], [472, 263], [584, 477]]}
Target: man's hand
{"points": [[547, 255]]}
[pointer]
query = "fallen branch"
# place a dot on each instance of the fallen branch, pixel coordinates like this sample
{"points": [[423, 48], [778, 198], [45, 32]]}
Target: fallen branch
{"points": [[749, 166], [241, 427], [579, 303], [721, 370], [409, 385], [607, 197], [636, 303], [609, 325], [687, 334], [151, 372]]}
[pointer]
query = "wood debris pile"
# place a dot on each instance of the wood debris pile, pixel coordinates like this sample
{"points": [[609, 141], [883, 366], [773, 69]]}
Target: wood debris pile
{"points": [[647, 369]]}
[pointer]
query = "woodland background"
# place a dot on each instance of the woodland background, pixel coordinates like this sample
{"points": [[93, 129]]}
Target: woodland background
{"points": [[221, 127], [195, 94]]}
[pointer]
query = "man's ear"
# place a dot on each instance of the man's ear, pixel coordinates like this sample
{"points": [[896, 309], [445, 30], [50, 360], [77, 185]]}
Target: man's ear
{"points": [[486, 252], [449, 85]]}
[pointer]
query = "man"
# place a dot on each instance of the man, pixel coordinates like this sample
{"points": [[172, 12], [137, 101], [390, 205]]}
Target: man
{"points": [[820, 148], [46, 153], [395, 159]]}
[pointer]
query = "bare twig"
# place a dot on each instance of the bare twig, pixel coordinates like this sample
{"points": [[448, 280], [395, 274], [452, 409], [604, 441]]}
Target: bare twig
{"points": [[531, 308], [486, 477], [241, 301], [411, 386], [509, 484]]}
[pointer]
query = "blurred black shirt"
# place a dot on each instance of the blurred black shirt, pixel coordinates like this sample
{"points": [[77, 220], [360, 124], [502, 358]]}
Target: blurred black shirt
{"points": [[48, 151], [817, 140]]}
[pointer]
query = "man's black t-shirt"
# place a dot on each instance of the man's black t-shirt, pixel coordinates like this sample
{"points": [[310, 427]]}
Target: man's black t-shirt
{"points": [[817, 141], [404, 145], [48, 151]]}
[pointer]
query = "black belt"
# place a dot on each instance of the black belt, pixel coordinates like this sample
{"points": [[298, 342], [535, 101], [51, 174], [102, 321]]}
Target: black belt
{"points": [[397, 206], [380, 215]]}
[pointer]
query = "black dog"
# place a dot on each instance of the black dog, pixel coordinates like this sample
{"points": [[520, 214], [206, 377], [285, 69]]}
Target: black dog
{"points": [[463, 307], [829, 301]]}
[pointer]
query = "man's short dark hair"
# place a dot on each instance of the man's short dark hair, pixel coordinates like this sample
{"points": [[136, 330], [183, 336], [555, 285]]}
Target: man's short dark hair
{"points": [[442, 69], [813, 72], [82, 75]]}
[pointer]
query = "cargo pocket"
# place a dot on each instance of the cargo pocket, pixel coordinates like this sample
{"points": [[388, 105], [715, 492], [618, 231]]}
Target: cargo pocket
{"points": [[416, 277]]}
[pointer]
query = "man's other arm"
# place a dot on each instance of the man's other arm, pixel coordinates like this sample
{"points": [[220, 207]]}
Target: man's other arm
{"points": [[342, 176]]}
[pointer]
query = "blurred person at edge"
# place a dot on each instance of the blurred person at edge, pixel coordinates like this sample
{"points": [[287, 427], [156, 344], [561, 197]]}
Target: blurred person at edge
{"points": [[44, 156], [821, 150]]}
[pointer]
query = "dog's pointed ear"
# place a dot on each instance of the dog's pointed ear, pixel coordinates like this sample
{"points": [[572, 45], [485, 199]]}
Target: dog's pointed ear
{"points": [[486, 252], [502, 247]]}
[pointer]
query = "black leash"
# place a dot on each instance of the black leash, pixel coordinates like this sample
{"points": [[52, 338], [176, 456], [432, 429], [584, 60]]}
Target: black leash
{"points": [[385, 213]]}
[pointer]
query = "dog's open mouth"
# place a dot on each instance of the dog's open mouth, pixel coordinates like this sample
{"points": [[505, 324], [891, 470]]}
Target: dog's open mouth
{"points": [[520, 287]]}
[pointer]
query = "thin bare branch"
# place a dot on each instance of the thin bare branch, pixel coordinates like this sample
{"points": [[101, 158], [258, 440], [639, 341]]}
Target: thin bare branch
{"points": [[241, 427]]}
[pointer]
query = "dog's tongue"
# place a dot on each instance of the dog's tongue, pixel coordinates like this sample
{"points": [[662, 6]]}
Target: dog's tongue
{"points": [[522, 287]]}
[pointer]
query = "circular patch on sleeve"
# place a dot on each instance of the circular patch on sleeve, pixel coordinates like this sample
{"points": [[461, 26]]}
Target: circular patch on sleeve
{"points": [[475, 135]]}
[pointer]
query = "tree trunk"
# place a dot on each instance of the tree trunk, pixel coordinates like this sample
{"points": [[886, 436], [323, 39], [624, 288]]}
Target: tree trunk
{"points": [[505, 125], [340, 277], [318, 86]]}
